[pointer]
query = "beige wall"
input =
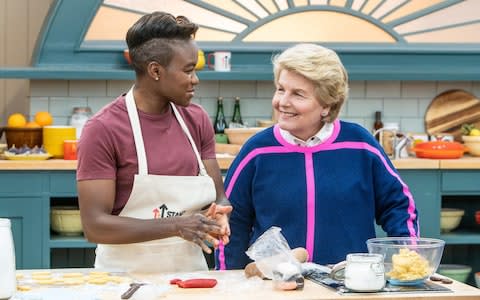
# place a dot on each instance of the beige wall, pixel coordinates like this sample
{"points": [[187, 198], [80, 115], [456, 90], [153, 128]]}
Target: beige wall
{"points": [[20, 24]]}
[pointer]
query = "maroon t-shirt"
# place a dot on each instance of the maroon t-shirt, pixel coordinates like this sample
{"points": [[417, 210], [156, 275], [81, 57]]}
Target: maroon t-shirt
{"points": [[106, 149]]}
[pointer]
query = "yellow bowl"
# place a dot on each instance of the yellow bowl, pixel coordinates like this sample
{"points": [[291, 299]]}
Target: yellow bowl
{"points": [[65, 220], [472, 143], [450, 218], [53, 137], [239, 136]]}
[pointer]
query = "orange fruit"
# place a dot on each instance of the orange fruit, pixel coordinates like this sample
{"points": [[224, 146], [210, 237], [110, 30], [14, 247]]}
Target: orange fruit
{"points": [[43, 118], [16, 120], [32, 124]]}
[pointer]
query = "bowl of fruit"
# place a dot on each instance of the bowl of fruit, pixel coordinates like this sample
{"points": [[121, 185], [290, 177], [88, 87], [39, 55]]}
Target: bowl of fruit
{"points": [[471, 139]]}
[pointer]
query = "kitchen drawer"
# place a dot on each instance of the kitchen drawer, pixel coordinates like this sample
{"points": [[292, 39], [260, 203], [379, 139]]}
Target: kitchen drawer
{"points": [[20, 183], [63, 183], [461, 181]]}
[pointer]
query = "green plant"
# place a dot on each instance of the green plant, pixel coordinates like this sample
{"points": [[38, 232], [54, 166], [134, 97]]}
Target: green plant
{"points": [[466, 128]]}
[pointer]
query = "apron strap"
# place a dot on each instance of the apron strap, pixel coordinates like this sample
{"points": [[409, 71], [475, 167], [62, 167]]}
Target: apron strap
{"points": [[203, 172], [137, 133]]}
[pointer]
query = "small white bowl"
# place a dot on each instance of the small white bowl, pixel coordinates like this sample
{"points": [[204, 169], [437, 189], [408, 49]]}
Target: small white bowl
{"points": [[450, 218]]}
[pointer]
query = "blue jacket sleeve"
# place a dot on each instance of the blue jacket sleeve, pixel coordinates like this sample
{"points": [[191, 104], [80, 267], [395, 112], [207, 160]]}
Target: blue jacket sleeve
{"points": [[395, 207]]}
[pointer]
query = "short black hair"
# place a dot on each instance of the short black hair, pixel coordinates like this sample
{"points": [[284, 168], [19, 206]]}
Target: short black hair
{"points": [[151, 38]]}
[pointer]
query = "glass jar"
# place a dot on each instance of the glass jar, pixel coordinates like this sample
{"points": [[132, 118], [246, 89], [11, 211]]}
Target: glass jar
{"points": [[79, 117], [364, 272], [388, 137], [8, 281]]}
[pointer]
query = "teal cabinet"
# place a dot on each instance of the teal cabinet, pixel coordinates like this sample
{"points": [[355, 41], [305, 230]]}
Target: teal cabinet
{"points": [[27, 218], [425, 188], [26, 197]]}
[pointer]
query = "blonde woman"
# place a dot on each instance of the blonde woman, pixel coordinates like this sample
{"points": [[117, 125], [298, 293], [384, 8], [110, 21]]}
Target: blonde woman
{"points": [[323, 181]]}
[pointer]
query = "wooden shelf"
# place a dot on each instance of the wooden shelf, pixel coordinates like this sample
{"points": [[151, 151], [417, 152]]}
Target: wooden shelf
{"points": [[458, 237], [59, 241]]}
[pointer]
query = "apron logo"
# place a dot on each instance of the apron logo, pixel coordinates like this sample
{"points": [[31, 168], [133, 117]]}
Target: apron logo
{"points": [[163, 212]]}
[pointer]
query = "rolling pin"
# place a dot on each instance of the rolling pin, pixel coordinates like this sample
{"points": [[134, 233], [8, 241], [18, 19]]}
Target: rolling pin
{"points": [[251, 269]]}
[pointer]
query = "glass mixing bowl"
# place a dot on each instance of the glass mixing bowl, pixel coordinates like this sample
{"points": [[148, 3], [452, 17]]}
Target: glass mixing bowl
{"points": [[408, 261]]}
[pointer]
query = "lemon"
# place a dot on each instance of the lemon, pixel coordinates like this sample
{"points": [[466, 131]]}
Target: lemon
{"points": [[474, 132], [16, 120]]}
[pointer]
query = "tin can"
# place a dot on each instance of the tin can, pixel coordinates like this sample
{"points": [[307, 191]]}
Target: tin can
{"points": [[70, 149]]}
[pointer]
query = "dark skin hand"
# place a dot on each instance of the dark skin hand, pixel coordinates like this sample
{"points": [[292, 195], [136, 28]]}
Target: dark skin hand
{"points": [[96, 199]]}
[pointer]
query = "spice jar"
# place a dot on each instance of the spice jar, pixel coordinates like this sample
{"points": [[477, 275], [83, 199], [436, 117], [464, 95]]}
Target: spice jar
{"points": [[364, 272], [79, 117], [8, 281]]}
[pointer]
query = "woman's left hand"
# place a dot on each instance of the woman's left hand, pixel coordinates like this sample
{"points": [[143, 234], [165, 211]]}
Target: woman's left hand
{"points": [[220, 214]]}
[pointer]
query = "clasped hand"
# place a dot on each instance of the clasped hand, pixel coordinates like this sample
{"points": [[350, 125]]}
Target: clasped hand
{"points": [[209, 226]]}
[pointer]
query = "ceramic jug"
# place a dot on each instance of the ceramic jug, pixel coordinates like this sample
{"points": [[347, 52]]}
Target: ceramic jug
{"points": [[8, 282]]}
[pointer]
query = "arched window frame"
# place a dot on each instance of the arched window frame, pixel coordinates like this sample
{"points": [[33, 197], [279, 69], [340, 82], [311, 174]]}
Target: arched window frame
{"points": [[62, 53]]}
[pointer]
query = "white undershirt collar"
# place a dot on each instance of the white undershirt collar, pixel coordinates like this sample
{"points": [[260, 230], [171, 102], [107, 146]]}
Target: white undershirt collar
{"points": [[323, 134]]}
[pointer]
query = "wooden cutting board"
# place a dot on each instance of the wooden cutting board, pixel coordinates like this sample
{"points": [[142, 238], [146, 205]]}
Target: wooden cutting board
{"points": [[451, 109]]}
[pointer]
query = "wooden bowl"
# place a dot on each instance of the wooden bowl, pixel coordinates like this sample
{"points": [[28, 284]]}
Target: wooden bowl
{"points": [[239, 136], [20, 136]]}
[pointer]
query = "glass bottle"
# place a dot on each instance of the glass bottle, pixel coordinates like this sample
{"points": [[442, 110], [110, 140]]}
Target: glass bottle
{"points": [[8, 281], [79, 117], [237, 116], [378, 124], [220, 123]]}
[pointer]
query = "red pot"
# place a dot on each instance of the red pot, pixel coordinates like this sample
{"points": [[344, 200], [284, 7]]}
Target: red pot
{"points": [[439, 150]]}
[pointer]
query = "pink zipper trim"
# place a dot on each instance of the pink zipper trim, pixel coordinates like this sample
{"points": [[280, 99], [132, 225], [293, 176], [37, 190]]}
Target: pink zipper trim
{"points": [[310, 240]]}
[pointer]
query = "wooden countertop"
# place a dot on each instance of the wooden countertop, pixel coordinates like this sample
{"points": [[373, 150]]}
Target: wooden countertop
{"points": [[233, 285], [466, 162]]}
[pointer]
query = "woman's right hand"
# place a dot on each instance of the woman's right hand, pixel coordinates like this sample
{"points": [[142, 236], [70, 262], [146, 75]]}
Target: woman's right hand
{"points": [[198, 229]]}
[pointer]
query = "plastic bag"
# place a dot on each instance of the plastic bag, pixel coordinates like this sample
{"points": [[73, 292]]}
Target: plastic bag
{"points": [[270, 250]]}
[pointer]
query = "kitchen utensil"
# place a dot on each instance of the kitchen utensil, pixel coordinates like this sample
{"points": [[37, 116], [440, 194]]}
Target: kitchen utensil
{"points": [[439, 150], [408, 260], [449, 110], [450, 218], [133, 288]]}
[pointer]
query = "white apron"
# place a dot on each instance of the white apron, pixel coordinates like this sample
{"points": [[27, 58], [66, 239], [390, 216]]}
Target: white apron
{"points": [[159, 196]]}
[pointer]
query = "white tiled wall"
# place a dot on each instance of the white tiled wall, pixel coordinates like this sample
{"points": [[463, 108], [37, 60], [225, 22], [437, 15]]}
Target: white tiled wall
{"points": [[400, 101]]}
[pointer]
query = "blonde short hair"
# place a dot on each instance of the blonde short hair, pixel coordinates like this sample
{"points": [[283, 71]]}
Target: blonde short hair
{"points": [[323, 67]]}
